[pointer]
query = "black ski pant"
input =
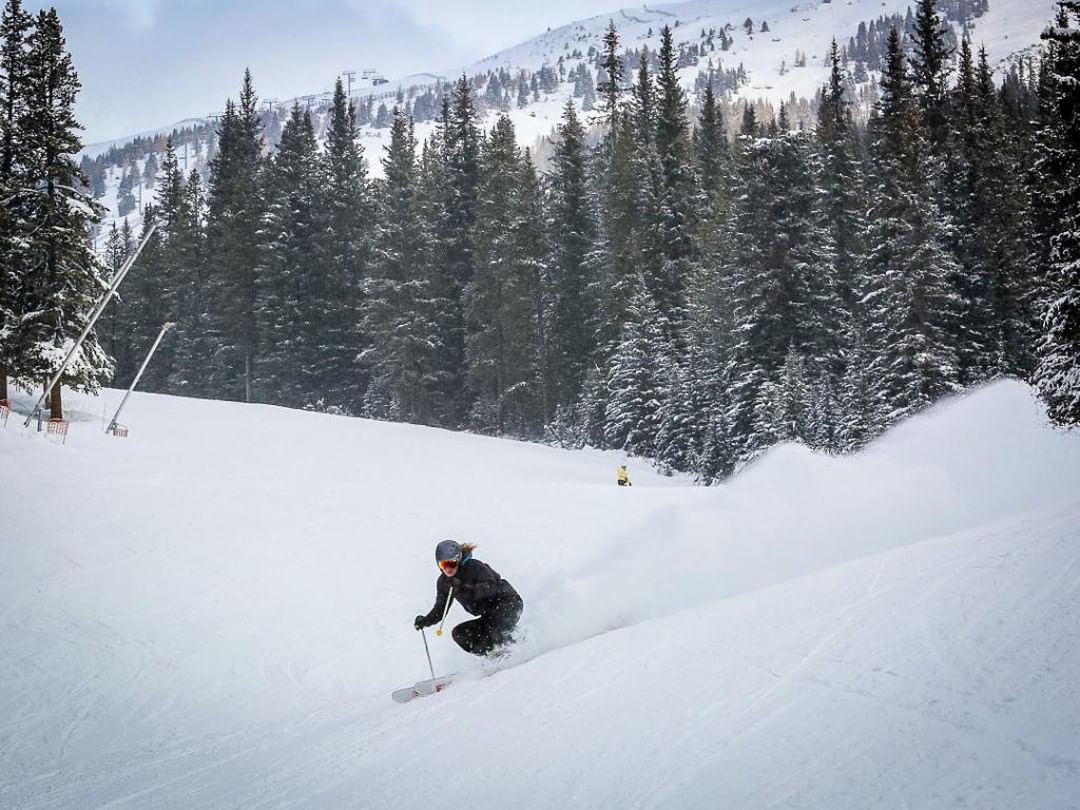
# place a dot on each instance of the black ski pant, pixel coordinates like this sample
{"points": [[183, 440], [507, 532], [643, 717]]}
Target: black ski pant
{"points": [[494, 626]]}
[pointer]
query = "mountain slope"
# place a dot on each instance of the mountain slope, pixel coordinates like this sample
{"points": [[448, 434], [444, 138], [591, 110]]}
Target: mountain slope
{"points": [[770, 61], [214, 611]]}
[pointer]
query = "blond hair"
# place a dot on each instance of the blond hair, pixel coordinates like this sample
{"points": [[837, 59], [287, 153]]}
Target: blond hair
{"points": [[467, 548]]}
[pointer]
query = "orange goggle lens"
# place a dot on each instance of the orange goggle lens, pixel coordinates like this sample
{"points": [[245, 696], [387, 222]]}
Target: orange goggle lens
{"points": [[448, 566]]}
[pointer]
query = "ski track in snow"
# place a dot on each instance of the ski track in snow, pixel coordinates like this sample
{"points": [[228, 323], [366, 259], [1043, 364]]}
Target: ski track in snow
{"points": [[217, 614]]}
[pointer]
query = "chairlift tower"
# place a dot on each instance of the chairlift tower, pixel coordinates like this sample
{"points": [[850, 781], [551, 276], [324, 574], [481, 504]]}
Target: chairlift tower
{"points": [[349, 76]]}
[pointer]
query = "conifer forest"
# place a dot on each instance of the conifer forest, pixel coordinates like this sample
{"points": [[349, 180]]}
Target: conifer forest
{"points": [[676, 283]]}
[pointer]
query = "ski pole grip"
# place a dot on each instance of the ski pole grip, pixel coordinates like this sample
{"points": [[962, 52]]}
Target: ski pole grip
{"points": [[449, 601]]}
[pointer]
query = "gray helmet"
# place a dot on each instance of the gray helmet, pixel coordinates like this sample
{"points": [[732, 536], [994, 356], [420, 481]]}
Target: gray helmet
{"points": [[447, 550]]}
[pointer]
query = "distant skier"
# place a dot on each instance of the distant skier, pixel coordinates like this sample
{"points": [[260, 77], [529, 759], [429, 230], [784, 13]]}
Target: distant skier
{"points": [[481, 591], [624, 477]]}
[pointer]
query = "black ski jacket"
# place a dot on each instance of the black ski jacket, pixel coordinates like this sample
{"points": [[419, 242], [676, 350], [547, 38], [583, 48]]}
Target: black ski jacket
{"points": [[477, 587]]}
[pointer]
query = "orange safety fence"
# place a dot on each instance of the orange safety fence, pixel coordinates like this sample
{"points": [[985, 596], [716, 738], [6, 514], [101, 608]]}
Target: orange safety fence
{"points": [[59, 427]]}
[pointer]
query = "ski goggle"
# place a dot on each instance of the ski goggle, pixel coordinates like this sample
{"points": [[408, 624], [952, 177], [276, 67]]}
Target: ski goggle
{"points": [[448, 566]]}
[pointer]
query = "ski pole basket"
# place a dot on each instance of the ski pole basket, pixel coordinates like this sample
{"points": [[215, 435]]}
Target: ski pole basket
{"points": [[120, 431]]}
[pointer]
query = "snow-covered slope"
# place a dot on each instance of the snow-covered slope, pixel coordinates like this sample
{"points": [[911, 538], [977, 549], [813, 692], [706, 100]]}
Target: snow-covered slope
{"points": [[808, 25], [212, 613]]}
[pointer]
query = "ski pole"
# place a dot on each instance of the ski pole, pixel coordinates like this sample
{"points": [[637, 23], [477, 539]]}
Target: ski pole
{"points": [[449, 601], [426, 650]]}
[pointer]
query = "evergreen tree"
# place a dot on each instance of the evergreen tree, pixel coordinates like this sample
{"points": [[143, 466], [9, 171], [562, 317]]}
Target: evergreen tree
{"points": [[906, 272], [611, 87], [160, 272], [1058, 372], [782, 285], [455, 264], [235, 211], [711, 148], [63, 278], [930, 64], [398, 306], [678, 437], [15, 182], [634, 386], [628, 171], [503, 298], [674, 220], [287, 321], [146, 301], [193, 343], [840, 181], [572, 228], [115, 328], [346, 216], [151, 169], [993, 228], [781, 409]]}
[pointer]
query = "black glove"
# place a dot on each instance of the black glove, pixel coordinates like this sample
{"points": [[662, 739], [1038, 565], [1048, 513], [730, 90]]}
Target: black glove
{"points": [[455, 582], [421, 621]]}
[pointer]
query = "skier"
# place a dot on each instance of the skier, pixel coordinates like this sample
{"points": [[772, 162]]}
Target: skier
{"points": [[481, 591], [624, 477]]}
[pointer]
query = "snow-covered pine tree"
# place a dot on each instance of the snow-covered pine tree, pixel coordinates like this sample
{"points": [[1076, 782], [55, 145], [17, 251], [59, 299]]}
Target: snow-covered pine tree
{"points": [[455, 262], [682, 405], [711, 149], [908, 298], [781, 270], [114, 327], [1005, 226], [611, 86], [503, 298], [640, 184], [287, 323], [634, 378], [146, 300], [15, 27], [235, 212], [931, 64], [674, 220], [63, 277], [571, 317], [622, 242], [155, 285], [193, 347], [840, 181], [1058, 372], [781, 409], [397, 304], [963, 176], [706, 285], [860, 408], [346, 213], [442, 376]]}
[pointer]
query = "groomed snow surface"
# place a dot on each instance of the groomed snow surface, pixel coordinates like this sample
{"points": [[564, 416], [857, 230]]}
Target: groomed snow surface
{"points": [[212, 613]]}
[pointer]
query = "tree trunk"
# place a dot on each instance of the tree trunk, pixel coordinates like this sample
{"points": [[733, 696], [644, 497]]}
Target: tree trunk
{"points": [[56, 405], [3, 385]]}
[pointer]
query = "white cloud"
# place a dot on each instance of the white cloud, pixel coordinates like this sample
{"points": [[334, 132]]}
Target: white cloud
{"points": [[486, 26], [140, 15]]}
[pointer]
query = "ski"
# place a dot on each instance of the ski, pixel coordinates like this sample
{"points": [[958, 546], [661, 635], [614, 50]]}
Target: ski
{"points": [[422, 689]]}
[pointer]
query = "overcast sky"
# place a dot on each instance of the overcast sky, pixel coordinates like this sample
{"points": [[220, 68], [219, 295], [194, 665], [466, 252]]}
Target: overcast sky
{"points": [[149, 63]]}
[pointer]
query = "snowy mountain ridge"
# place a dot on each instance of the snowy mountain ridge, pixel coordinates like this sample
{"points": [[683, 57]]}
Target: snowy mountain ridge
{"points": [[785, 62], [214, 611]]}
